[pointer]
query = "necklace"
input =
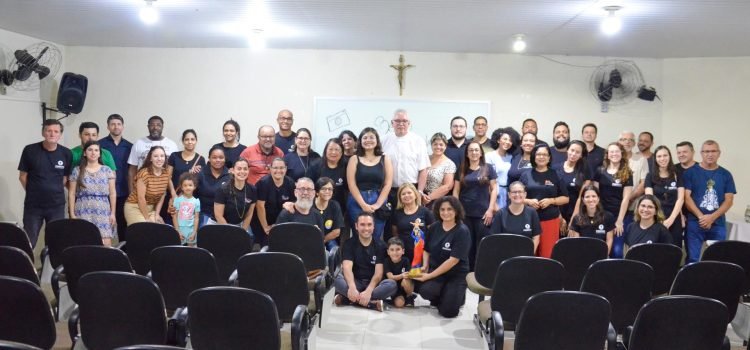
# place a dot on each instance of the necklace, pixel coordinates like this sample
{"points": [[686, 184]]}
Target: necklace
{"points": [[241, 214], [306, 163]]}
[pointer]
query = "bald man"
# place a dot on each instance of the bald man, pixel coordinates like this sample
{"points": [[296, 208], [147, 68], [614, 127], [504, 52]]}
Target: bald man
{"points": [[261, 155]]}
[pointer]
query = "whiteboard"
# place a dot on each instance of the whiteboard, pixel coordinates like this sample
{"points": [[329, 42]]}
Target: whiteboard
{"points": [[335, 114]]}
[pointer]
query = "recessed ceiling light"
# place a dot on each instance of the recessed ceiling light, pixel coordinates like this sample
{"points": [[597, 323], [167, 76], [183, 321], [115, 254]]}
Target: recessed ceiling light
{"points": [[257, 39], [612, 23], [148, 13], [519, 43]]}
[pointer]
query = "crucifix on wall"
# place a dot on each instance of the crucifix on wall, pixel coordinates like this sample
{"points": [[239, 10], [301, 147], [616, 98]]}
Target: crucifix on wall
{"points": [[401, 67]]}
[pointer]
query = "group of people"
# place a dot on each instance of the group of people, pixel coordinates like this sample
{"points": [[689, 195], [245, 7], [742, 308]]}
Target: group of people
{"points": [[385, 190]]}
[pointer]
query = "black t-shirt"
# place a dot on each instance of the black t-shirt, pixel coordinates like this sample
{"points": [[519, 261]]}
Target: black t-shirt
{"points": [[655, 233], [474, 196], [443, 245], [364, 258], [455, 153], [595, 157], [557, 158], [230, 154], [665, 189], [333, 217], [403, 221], [313, 218], [540, 185], [236, 204], [610, 190], [182, 166], [573, 182], [337, 174], [518, 166], [275, 197], [208, 186], [395, 268], [286, 144], [590, 228], [300, 166], [525, 224], [45, 172], [680, 172]]}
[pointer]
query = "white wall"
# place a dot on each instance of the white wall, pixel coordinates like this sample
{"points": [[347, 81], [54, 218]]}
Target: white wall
{"points": [[705, 98], [20, 124]]}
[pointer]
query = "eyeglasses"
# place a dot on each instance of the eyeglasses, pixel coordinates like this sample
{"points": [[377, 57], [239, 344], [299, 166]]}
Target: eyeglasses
{"points": [[326, 189], [544, 155], [285, 119], [265, 137], [517, 192], [303, 138], [623, 139], [305, 190], [278, 168], [458, 126], [400, 121]]}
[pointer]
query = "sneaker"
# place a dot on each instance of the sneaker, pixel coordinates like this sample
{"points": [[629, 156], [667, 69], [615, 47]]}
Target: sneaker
{"points": [[338, 299], [410, 300]]}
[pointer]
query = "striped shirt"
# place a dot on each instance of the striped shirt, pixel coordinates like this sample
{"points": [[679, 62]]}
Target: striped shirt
{"points": [[156, 186]]}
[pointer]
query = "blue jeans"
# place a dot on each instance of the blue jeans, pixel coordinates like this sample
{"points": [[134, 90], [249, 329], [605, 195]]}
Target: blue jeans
{"points": [[370, 197], [33, 218], [695, 236], [618, 242]]}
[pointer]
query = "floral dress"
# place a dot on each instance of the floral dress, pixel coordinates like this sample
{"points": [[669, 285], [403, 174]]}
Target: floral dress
{"points": [[92, 201]]}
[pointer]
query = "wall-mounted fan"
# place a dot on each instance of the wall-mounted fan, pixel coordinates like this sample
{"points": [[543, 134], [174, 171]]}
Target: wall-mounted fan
{"points": [[619, 82], [31, 65]]}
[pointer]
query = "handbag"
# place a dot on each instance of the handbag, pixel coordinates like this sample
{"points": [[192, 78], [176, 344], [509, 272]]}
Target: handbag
{"points": [[384, 212]]}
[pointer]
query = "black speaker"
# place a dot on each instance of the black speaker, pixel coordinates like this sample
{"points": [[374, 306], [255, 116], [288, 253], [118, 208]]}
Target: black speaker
{"points": [[72, 93]]}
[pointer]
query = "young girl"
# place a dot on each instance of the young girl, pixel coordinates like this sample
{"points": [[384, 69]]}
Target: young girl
{"points": [[92, 189], [188, 208]]}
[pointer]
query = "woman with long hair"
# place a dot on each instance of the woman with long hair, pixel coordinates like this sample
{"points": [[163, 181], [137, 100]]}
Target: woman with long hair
{"points": [[369, 175], [235, 201], [274, 190], [409, 214], [300, 162], [91, 192], [231, 146], [665, 183], [647, 224], [441, 172], [517, 218], [545, 193], [209, 180], [178, 163], [615, 182], [333, 166], [445, 258], [503, 140], [591, 220], [521, 162], [575, 175], [149, 188], [349, 142], [476, 188]]}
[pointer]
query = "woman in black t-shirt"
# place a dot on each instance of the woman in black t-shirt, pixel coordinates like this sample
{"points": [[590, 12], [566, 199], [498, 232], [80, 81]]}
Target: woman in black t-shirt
{"points": [[234, 203], [333, 166], [517, 218], [408, 210], [446, 258], [545, 193], [333, 218], [274, 190], [615, 182], [188, 160], [521, 162], [647, 227], [231, 146], [476, 188], [300, 162], [666, 184], [575, 175], [592, 220]]}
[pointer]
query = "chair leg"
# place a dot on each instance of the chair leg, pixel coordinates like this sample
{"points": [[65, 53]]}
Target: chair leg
{"points": [[73, 324]]}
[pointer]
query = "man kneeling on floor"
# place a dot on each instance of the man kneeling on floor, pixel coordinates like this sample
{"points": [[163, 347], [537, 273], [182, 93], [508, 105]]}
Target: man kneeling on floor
{"points": [[362, 280]]}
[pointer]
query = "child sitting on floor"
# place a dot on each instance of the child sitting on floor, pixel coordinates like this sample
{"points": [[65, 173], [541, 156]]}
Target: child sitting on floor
{"points": [[396, 268]]}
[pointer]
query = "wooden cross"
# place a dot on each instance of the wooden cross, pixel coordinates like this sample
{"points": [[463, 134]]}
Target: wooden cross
{"points": [[401, 67]]}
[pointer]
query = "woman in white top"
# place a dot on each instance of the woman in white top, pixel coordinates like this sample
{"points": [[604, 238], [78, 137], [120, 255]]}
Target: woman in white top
{"points": [[441, 172], [503, 140]]}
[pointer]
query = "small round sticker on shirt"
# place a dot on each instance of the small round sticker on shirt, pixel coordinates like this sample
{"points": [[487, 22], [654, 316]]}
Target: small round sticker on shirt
{"points": [[328, 224]]}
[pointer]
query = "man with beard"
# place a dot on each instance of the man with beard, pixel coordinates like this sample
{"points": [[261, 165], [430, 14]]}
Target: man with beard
{"points": [[261, 155], [645, 141], [456, 144], [639, 167], [141, 147], [305, 192], [529, 126], [561, 139], [120, 149], [480, 134]]}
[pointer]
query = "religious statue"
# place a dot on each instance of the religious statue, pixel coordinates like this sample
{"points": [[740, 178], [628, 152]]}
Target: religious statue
{"points": [[418, 236], [401, 67]]}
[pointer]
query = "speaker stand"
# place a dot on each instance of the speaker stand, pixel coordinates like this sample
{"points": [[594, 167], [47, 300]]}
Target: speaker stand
{"points": [[45, 109]]}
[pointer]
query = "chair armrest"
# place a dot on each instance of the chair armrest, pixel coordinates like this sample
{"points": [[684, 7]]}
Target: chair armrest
{"points": [[55, 281], [300, 328], [626, 336], [319, 292], [611, 337], [497, 332], [149, 275], [121, 245], [73, 324], [43, 254], [233, 278], [177, 327]]}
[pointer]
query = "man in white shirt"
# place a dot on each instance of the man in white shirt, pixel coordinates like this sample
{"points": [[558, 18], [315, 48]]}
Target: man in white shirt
{"points": [[408, 154], [143, 145]]}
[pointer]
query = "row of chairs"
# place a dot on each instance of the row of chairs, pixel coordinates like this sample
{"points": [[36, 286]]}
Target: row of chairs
{"points": [[123, 309]]}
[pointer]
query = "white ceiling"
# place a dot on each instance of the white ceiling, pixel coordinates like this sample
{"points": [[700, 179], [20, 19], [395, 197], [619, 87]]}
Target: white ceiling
{"points": [[651, 28]]}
